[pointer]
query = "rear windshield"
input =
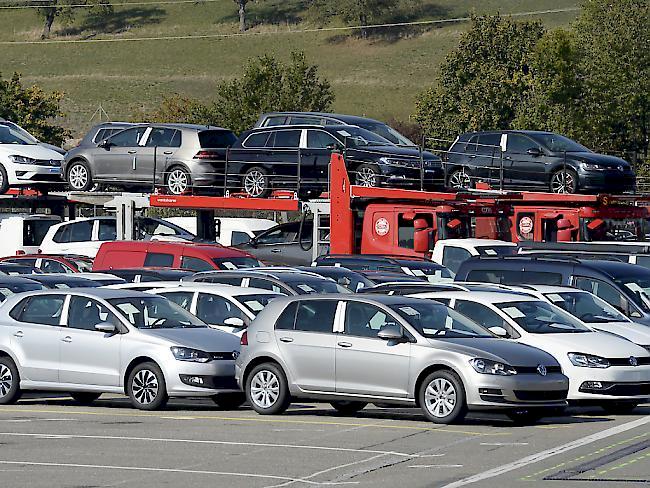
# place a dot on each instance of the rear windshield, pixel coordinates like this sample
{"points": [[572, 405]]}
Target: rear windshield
{"points": [[307, 286], [34, 230], [255, 303], [210, 139], [235, 263], [496, 250], [6, 290]]}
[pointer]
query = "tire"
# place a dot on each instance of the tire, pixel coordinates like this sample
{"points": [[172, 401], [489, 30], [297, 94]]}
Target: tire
{"points": [[267, 390], [229, 401], [564, 184], [348, 408], [367, 175], [4, 180], [255, 182], [525, 416], [79, 176], [178, 180], [619, 408], [146, 387], [85, 398], [440, 386], [9, 382], [459, 179]]}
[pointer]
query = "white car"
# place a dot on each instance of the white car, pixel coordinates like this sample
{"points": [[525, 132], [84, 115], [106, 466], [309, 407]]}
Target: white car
{"points": [[595, 312], [231, 231], [24, 232], [451, 253], [225, 307], [24, 162], [602, 368]]}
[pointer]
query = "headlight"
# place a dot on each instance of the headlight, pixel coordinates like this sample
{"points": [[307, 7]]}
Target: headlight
{"points": [[192, 355], [595, 167], [587, 361], [410, 163], [485, 366], [21, 160]]}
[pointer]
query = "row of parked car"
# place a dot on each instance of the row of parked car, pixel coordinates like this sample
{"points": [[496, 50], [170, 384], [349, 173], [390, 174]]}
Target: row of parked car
{"points": [[348, 330], [292, 150]]}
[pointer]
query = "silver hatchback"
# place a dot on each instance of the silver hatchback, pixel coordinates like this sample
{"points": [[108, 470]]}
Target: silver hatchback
{"points": [[92, 341], [350, 350]]}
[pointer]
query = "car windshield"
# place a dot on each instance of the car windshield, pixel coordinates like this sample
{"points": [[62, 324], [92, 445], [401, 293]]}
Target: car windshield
{"points": [[538, 317], [496, 250], [434, 320], [388, 133], [639, 286], [255, 303], [236, 263], [84, 266], [6, 290], [558, 143], [10, 135], [307, 286], [587, 307], [431, 273], [155, 313], [357, 137]]}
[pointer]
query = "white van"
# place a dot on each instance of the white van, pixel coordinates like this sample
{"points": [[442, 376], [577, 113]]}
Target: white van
{"points": [[23, 233], [231, 231]]}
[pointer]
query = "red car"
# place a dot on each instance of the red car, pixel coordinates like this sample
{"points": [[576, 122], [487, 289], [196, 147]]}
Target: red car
{"points": [[52, 263], [189, 256]]}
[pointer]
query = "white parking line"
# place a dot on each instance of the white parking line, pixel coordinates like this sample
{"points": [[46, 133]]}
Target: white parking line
{"points": [[540, 456], [436, 466], [173, 470], [503, 443], [212, 442]]}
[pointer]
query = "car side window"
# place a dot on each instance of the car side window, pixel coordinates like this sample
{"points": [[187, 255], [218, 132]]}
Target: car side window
{"points": [[488, 144], [512, 277], [159, 259], [304, 120], [62, 234], [318, 139], [275, 120], [603, 290], [288, 139], [256, 140], [180, 298], [265, 285], [316, 316], [238, 237], [484, 316], [107, 230], [287, 318], [79, 232], [128, 138], [164, 137], [453, 257], [44, 309], [214, 310], [518, 144], [85, 313], [364, 320], [217, 278], [52, 266], [195, 264]]}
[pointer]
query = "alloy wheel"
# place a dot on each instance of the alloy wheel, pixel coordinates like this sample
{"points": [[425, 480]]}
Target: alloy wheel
{"points": [[265, 389], [145, 386], [78, 176], [440, 397], [177, 181], [254, 183], [6, 380], [460, 180], [562, 182], [366, 176]]}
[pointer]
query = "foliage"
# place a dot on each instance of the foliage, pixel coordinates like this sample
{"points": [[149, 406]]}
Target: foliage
{"points": [[32, 108], [483, 81], [176, 108]]}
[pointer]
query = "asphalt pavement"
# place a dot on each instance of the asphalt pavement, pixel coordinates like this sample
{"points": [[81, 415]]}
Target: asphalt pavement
{"points": [[48, 441]]}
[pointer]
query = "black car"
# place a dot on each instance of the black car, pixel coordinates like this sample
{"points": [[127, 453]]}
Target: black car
{"points": [[63, 280], [273, 119], [351, 280], [18, 269], [141, 275], [534, 160], [624, 286], [413, 266], [10, 285], [297, 158]]}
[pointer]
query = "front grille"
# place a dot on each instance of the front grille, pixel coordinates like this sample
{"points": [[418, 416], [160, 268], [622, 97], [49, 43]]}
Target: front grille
{"points": [[224, 356], [533, 369], [620, 389], [626, 361], [540, 395], [47, 162]]}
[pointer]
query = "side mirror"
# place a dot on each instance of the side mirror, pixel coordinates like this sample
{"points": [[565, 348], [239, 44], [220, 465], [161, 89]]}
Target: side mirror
{"points": [[499, 331], [234, 322], [534, 151], [106, 327], [105, 145], [422, 241], [391, 333]]}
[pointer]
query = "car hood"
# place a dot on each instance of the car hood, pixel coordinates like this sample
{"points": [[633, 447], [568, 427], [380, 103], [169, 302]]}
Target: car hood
{"points": [[34, 151], [596, 343], [400, 151], [637, 333], [602, 159], [496, 349], [204, 338], [54, 148]]}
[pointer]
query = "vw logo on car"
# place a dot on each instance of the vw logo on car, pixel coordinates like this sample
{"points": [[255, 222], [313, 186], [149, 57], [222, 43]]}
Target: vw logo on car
{"points": [[541, 369]]}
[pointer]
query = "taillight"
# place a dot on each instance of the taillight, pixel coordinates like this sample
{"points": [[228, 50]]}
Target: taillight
{"points": [[244, 339], [206, 155], [20, 252]]}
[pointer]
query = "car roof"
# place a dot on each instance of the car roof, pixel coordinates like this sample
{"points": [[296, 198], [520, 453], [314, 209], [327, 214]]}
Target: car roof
{"points": [[548, 288], [217, 289], [100, 292], [17, 280], [490, 297], [342, 117], [473, 242]]}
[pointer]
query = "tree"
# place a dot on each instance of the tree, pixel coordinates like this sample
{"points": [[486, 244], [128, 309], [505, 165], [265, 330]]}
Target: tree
{"points": [[482, 82], [241, 10], [66, 9], [177, 108], [32, 108], [354, 12]]}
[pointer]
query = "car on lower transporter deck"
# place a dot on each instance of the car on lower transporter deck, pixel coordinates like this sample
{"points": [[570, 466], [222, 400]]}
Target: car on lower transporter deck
{"points": [[353, 349], [94, 341]]}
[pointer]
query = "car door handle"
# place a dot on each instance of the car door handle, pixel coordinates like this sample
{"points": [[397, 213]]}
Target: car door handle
{"points": [[276, 250], [472, 156], [168, 152], [132, 152], [67, 339], [18, 334], [345, 344], [286, 339]]}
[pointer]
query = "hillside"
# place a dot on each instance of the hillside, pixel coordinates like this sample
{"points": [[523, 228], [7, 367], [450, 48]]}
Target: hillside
{"points": [[110, 63]]}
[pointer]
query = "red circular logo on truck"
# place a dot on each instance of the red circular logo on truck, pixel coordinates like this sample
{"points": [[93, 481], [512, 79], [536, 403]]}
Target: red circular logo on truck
{"points": [[525, 225], [382, 227]]}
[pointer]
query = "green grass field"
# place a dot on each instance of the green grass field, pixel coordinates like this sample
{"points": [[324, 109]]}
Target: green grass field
{"points": [[378, 77]]}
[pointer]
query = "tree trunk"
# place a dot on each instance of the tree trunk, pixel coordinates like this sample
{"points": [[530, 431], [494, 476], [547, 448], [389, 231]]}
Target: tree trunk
{"points": [[49, 20], [242, 15], [363, 20]]}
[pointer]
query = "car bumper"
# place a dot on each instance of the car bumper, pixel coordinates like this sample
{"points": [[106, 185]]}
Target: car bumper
{"points": [[617, 383], [607, 181], [409, 177], [524, 390], [28, 174], [201, 379]]}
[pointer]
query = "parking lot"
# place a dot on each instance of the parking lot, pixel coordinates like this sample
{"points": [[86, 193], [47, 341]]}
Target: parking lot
{"points": [[48, 441]]}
